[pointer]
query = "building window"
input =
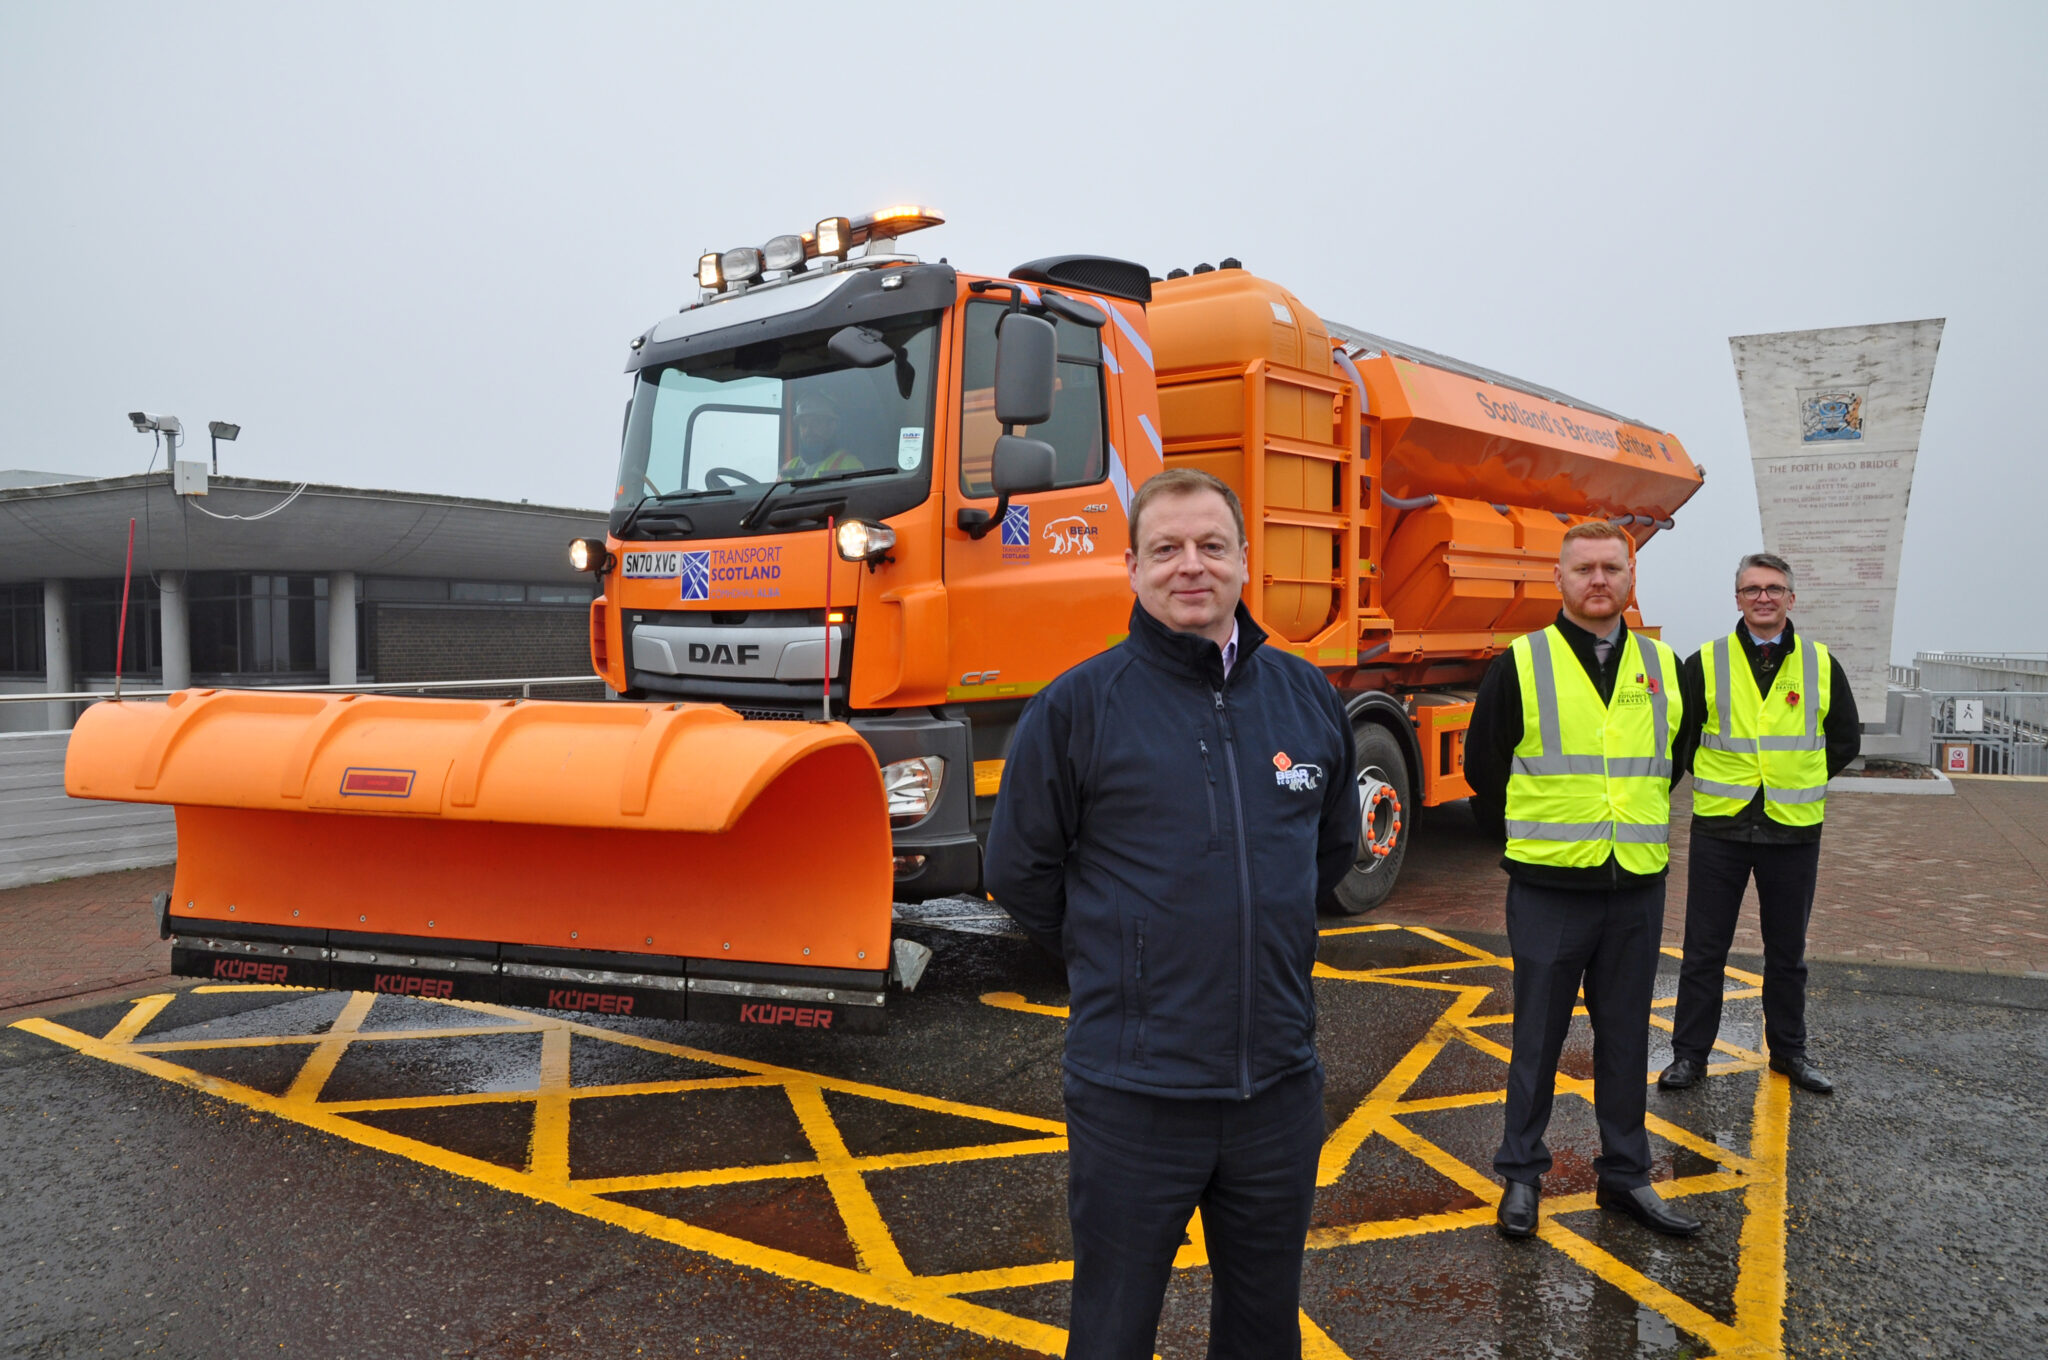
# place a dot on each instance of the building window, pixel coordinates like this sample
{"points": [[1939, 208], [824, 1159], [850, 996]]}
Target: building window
{"points": [[21, 629], [95, 619], [258, 624]]}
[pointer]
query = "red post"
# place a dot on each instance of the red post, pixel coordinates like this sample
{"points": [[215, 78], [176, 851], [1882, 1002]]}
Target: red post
{"points": [[121, 633], [831, 542]]}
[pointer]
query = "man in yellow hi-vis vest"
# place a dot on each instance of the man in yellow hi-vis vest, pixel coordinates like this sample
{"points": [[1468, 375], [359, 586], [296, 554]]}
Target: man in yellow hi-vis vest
{"points": [[1777, 721], [1578, 733]]}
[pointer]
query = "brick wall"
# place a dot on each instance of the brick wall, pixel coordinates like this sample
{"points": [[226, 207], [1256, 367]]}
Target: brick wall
{"points": [[477, 642]]}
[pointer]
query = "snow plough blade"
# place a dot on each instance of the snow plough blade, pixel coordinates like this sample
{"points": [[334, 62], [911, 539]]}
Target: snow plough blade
{"points": [[639, 859]]}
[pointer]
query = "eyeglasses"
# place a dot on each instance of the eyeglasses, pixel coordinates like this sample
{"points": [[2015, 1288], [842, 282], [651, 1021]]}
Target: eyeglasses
{"points": [[1763, 592]]}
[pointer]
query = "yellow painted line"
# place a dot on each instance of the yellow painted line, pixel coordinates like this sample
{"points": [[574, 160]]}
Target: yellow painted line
{"points": [[1316, 1343], [551, 1109], [873, 1246], [375, 1036], [1724, 1339], [214, 989], [320, 1063], [1760, 1282], [1463, 948], [1013, 1001], [140, 1012], [776, 1171], [882, 1277], [1672, 951], [909, 1295], [1324, 970], [1343, 1144], [1194, 1251], [1357, 930]]}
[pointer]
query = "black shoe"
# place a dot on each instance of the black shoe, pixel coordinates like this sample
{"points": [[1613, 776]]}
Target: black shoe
{"points": [[1682, 1073], [1517, 1210], [1803, 1074], [1644, 1206]]}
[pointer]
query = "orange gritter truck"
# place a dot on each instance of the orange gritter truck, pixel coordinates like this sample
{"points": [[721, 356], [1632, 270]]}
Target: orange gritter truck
{"points": [[866, 507]]}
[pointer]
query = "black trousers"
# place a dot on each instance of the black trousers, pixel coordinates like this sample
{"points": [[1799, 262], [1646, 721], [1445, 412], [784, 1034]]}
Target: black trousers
{"points": [[1606, 941], [1716, 876], [1139, 1166]]}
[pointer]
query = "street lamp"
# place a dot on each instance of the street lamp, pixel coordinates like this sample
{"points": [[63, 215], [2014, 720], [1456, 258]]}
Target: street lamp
{"points": [[221, 429]]}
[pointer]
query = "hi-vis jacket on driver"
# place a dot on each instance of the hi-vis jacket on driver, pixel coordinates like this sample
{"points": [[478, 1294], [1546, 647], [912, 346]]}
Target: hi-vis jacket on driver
{"points": [[1169, 833]]}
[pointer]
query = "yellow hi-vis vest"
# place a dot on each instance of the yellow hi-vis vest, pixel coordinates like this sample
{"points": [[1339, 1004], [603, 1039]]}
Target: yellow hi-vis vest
{"points": [[1592, 779], [1773, 742]]}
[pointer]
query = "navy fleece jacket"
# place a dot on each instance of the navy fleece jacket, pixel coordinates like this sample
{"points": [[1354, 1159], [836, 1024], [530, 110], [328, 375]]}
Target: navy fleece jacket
{"points": [[1169, 832]]}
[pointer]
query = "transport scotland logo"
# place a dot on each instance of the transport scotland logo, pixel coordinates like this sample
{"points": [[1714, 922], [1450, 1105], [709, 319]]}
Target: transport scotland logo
{"points": [[697, 576], [1017, 527], [1017, 534]]}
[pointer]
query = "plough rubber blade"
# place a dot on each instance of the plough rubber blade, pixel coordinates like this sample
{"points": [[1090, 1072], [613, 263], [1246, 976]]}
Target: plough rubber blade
{"points": [[625, 858]]}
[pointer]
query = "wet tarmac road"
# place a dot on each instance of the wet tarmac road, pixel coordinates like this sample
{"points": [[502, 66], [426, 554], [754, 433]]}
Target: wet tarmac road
{"points": [[243, 1172]]}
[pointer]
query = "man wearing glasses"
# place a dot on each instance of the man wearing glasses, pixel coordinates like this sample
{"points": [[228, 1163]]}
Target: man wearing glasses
{"points": [[1777, 722]]}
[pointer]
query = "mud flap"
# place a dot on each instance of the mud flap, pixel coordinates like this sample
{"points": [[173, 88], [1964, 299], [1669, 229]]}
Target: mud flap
{"points": [[376, 842]]}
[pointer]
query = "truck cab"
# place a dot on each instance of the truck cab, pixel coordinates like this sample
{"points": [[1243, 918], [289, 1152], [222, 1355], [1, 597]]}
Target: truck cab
{"points": [[807, 524]]}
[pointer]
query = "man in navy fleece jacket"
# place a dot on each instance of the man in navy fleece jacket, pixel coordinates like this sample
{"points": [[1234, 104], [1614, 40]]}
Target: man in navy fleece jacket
{"points": [[1171, 813]]}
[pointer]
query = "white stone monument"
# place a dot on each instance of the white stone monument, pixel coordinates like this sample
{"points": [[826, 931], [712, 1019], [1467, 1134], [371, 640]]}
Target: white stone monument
{"points": [[1834, 428]]}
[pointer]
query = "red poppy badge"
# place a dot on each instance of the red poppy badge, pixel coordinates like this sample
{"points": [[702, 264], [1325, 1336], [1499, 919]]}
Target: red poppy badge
{"points": [[1792, 696]]}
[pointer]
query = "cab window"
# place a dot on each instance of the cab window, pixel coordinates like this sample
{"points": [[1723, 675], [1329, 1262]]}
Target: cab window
{"points": [[1077, 431]]}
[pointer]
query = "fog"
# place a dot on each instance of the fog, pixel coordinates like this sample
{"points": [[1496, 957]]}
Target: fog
{"points": [[405, 245]]}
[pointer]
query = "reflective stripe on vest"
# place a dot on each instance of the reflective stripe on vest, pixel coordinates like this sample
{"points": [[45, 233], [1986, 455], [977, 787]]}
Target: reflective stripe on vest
{"points": [[1756, 741], [1590, 780]]}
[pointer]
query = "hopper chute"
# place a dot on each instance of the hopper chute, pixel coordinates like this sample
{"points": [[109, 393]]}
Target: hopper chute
{"points": [[508, 842]]}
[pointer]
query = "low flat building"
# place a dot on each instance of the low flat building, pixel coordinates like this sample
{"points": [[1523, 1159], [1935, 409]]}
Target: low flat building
{"points": [[267, 583]]}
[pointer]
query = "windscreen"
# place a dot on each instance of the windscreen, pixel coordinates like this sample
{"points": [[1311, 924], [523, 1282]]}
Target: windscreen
{"points": [[779, 410]]}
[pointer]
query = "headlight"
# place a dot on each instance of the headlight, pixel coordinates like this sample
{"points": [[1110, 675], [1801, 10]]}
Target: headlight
{"points": [[913, 788], [709, 276], [589, 554], [862, 540]]}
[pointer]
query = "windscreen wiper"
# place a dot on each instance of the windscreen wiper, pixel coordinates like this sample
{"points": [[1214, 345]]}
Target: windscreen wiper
{"points": [[752, 517], [633, 515]]}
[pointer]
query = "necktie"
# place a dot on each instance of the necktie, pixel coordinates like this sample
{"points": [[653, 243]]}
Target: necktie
{"points": [[1602, 649], [1763, 653]]}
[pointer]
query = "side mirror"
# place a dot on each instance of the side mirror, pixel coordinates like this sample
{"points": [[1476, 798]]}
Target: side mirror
{"points": [[1021, 466], [1027, 352], [862, 347], [1018, 466]]}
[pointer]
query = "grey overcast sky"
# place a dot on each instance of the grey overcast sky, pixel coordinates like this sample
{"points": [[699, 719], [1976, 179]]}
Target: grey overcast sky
{"points": [[404, 245]]}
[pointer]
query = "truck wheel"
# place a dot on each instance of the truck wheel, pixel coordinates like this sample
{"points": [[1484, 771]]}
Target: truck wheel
{"points": [[1383, 810]]}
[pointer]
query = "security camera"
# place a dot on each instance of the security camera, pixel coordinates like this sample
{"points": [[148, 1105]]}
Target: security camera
{"points": [[149, 422]]}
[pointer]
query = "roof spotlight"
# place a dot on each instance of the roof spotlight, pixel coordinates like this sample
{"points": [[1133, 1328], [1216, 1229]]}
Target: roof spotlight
{"points": [[783, 252], [835, 237], [741, 264], [709, 276]]}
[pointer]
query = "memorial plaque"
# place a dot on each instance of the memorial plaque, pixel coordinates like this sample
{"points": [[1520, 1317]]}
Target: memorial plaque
{"points": [[1834, 428]]}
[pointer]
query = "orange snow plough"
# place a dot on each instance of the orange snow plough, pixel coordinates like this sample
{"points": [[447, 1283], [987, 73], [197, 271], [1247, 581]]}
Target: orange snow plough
{"points": [[633, 859]]}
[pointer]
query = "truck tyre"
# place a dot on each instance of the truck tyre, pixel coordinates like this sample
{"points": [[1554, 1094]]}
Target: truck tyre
{"points": [[1385, 811]]}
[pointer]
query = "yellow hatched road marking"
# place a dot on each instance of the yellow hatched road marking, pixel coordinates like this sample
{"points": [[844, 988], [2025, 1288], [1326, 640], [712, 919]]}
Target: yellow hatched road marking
{"points": [[881, 1274]]}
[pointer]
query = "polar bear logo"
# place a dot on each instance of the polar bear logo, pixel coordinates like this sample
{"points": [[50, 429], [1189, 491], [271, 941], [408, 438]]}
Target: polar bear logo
{"points": [[1072, 534]]}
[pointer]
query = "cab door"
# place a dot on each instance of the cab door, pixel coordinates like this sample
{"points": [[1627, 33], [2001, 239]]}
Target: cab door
{"points": [[1046, 588]]}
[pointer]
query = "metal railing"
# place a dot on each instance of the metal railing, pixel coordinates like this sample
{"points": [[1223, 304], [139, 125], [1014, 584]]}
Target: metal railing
{"points": [[1903, 677], [1990, 732], [524, 684]]}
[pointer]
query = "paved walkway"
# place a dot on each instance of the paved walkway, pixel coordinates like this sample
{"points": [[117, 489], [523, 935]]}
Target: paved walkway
{"points": [[1955, 882], [1942, 882]]}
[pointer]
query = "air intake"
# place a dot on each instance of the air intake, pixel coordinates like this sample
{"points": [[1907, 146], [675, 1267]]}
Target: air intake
{"points": [[1094, 273]]}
